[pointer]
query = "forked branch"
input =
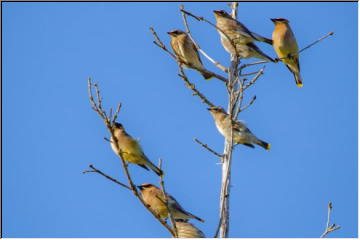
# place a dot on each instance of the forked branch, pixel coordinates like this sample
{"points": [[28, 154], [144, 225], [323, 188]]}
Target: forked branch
{"points": [[109, 120], [329, 228]]}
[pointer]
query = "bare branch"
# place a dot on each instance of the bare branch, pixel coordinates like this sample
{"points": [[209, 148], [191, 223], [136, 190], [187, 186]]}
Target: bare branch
{"points": [[223, 228], [116, 113], [248, 74], [320, 39], [207, 148], [160, 44], [253, 63], [95, 170], [328, 228], [234, 10], [193, 88], [216, 63], [98, 108], [252, 81], [170, 215], [249, 104]]}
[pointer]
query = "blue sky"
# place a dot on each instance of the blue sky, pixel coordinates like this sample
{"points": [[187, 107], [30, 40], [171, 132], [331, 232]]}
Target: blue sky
{"points": [[51, 134]]}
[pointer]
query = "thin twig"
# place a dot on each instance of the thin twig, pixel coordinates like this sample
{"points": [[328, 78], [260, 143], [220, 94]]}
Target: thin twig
{"points": [[328, 228], [315, 42], [161, 45], [207, 148], [170, 214], [193, 88], [98, 108], [248, 74], [253, 63], [216, 63], [249, 104], [116, 113], [253, 80], [95, 170]]}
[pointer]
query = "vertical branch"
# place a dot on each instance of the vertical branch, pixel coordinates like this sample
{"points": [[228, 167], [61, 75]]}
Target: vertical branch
{"points": [[228, 149], [329, 228], [170, 215]]}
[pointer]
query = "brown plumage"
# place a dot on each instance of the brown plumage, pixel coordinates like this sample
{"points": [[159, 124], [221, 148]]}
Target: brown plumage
{"points": [[235, 33], [188, 230], [186, 51], [285, 46], [131, 149], [241, 134], [154, 197]]}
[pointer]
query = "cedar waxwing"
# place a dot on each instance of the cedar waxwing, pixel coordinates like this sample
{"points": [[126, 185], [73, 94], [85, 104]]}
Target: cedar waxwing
{"points": [[188, 230], [241, 37], [285, 45], [241, 134], [131, 149], [154, 197], [186, 51]]}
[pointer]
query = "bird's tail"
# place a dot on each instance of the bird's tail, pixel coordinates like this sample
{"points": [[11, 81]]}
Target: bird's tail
{"points": [[263, 144], [258, 53], [262, 39], [298, 79], [294, 68], [207, 76], [197, 218], [158, 171]]}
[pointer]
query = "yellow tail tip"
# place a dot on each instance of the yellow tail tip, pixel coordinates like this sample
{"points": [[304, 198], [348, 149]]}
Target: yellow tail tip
{"points": [[300, 85], [268, 146]]}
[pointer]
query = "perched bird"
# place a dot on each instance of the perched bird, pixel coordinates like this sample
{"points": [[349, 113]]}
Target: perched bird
{"points": [[188, 230], [286, 47], [232, 32], [154, 197], [131, 149], [186, 51], [241, 134]]}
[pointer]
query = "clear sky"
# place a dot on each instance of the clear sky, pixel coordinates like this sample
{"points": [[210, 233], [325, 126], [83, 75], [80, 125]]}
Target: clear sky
{"points": [[51, 134]]}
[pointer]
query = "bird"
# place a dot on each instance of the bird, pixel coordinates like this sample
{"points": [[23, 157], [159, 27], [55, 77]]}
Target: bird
{"points": [[188, 230], [186, 52], [241, 134], [131, 149], [234, 32], [286, 47], [155, 199]]}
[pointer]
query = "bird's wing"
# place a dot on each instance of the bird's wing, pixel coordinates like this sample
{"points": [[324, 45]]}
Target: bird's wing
{"points": [[240, 126], [258, 53], [244, 30], [175, 205], [196, 51], [192, 55]]}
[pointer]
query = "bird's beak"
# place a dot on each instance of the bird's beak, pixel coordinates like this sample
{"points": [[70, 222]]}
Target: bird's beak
{"points": [[140, 187], [209, 109], [216, 11], [170, 33], [273, 20]]}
